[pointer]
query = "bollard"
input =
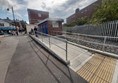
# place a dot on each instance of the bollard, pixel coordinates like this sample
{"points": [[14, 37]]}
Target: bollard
{"points": [[66, 50], [42, 36]]}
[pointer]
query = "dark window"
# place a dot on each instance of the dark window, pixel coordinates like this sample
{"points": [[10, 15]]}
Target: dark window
{"points": [[1, 24]]}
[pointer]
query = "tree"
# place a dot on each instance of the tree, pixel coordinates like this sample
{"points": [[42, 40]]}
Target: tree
{"points": [[80, 21], [23, 23], [108, 11]]}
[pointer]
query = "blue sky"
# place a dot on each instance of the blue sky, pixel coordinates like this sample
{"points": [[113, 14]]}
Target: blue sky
{"points": [[56, 8]]}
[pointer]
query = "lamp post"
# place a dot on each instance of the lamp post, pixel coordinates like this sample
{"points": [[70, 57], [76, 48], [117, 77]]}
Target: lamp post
{"points": [[13, 18], [13, 15]]}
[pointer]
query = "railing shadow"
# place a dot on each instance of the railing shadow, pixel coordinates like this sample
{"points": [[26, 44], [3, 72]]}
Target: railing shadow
{"points": [[39, 49]]}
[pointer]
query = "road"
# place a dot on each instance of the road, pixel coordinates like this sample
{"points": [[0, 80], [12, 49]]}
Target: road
{"points": [[28, 62]]}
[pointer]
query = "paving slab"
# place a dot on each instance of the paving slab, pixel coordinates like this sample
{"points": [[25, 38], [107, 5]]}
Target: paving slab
{"points": [[7, 48], [115, 77], [75, 55], [32, 64], [99, 69], [94, 68]]}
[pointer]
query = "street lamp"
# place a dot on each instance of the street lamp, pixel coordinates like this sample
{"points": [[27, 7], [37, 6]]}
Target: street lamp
{"points": [[13, 15], [13, 18]]}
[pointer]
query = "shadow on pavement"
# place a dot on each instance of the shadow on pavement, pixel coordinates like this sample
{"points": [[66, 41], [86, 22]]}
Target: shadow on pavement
{"points": [[48, 60]]}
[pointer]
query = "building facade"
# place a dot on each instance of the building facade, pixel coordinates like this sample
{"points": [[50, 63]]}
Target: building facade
{"points": [[51, 26], [87, 12], [36, 16], [4, 24]]}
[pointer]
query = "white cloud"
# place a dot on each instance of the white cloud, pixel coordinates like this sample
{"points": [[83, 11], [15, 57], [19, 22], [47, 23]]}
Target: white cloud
{"points": [[4, 4], [9, 3], [68, 8], [45, 4], [54, 3], [56, 8], [85, 3]]}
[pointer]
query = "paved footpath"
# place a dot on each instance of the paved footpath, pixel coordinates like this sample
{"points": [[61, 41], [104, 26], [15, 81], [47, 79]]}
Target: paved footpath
{"points": [[76, 55], [7, 49], [26, 62]]}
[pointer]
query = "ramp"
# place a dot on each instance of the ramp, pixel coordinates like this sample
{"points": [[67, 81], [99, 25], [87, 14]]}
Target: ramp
{"points": [[75, 55]]}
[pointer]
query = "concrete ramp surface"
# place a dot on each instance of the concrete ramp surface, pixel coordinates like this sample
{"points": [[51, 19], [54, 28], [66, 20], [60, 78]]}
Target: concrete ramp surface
{"points": [[76, 55], [94, 68], [23, 61]]}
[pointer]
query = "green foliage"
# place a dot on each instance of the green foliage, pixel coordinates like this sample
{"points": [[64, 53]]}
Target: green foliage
{"points": [[23, 23], [108, 11], [81, 21]]}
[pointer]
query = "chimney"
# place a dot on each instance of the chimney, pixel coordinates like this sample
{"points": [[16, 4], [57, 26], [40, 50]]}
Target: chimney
{"points": [[77, 10]]}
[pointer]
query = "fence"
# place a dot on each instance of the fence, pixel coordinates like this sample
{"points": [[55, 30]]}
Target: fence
{"points": [[103, 43], [104, 29], [101, 36], [91, 41]]}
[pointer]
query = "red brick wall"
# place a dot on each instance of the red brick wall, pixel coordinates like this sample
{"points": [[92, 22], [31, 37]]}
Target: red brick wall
{"points": [[86, 12], [71, 19], [54, 30], [35, 16]]}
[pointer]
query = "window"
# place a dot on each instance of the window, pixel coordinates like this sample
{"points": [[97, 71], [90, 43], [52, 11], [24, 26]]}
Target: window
{"points": [[1, 24], [55, 24], [39, 15]]}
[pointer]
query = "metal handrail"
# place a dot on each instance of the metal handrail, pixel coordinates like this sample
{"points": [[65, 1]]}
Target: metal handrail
{"points": [[105, 41], [62, 40], [79, 34], [67, 42], [93, 42]]}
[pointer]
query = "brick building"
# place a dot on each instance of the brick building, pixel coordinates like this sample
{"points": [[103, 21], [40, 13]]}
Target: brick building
{"points": [[87, 12], [35, 16], [52, 26]]}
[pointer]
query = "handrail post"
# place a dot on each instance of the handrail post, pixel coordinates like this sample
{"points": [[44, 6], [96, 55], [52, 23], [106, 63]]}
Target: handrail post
{"points": [[105, 38], [78, 37], [42, 36], [49, 42], [66, 50]]}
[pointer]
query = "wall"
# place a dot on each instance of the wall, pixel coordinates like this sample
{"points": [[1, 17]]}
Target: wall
{"points": [[87, 12], [35, 16], [29, 27], [3, 23], [43, 27], [54, 30]]}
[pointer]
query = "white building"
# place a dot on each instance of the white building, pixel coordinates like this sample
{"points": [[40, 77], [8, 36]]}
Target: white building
{"points": [[4, 23], [30, 26]]}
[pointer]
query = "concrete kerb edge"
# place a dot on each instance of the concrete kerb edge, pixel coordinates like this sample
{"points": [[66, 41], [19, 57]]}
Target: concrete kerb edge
{"points": [[50, 51], [115, 76], [82, 63]]}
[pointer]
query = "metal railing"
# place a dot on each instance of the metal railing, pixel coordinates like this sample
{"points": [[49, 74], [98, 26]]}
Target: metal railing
{"points": [[82, 41], [104, 29], [103, 43], [52, 40]]}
